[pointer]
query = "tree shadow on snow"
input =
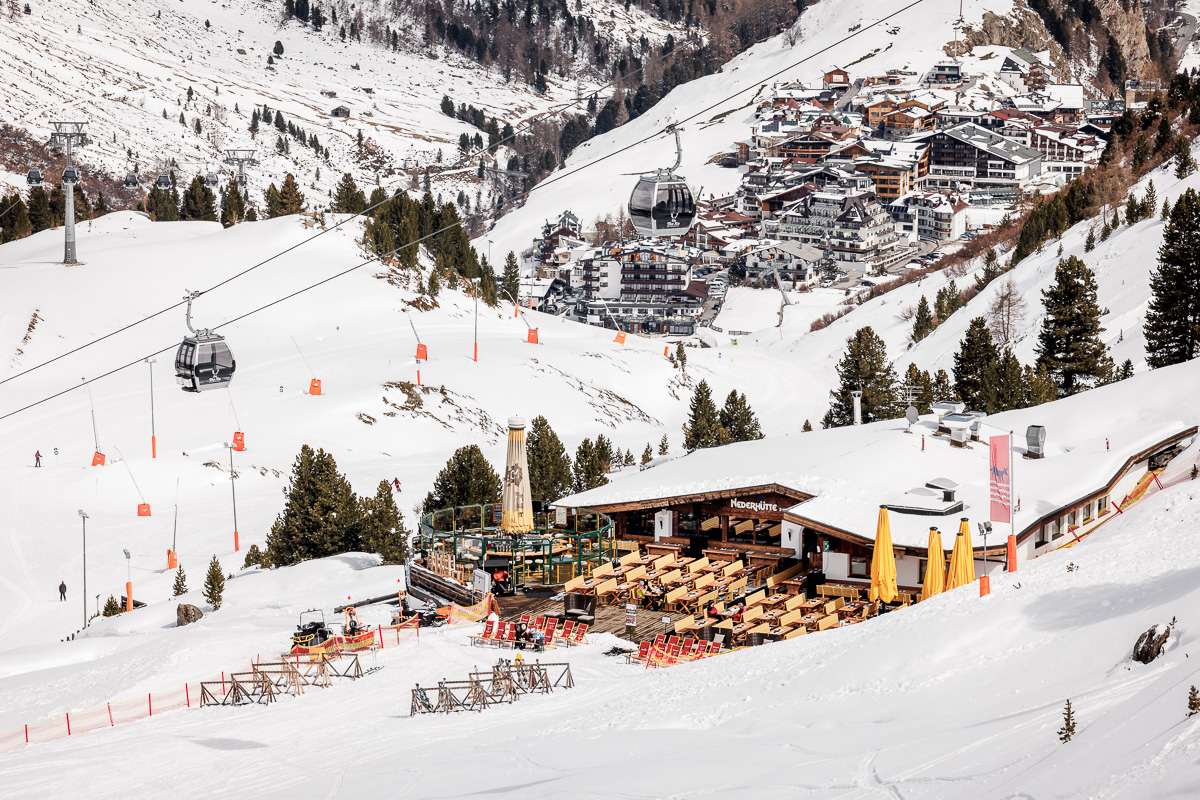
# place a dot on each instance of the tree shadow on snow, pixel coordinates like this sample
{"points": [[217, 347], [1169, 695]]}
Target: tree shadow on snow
{"points": [[228, 744]]}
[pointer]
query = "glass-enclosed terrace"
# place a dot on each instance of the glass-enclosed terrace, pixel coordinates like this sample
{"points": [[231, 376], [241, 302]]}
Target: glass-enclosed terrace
{"points": [[459, 540]]}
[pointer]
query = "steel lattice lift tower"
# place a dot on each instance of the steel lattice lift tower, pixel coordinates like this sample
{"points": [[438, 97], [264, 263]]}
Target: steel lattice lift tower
{"points": [[67, 136], [241, 159]]}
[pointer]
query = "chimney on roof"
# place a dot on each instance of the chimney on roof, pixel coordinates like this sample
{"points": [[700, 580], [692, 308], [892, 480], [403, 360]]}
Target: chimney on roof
{"points": [[857, 407]]}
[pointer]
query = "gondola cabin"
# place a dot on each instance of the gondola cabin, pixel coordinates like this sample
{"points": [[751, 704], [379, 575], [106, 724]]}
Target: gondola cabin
{"points": [[662, 205], [164, 181], [131, 180], [203, 362], [34, 178], [70, 176]]}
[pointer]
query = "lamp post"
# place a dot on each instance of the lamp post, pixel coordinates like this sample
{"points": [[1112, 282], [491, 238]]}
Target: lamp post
{"points": [[84, 517], [128, 584], [233, 492], [150, 362], [478, 289]]}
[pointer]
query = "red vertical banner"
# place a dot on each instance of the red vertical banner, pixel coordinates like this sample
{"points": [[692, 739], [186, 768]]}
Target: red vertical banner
{"points": [[1000, 479]]}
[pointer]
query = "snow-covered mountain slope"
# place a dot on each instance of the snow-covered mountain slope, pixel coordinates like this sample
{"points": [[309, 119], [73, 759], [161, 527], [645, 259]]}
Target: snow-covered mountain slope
{"points": [[121, 65], [956, 697], [355, 334], [910, 39]]}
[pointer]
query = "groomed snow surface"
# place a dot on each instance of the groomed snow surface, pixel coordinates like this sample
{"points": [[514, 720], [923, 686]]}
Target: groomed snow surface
{"points": [[956, 697]]}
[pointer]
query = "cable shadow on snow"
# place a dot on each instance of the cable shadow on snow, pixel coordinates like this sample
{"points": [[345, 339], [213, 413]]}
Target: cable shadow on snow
{"points": [[1074, 608]]}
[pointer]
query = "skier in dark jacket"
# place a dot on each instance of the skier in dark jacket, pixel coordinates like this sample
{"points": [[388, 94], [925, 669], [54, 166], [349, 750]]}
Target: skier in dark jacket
{"points": [[62, 591], [37, 458]]}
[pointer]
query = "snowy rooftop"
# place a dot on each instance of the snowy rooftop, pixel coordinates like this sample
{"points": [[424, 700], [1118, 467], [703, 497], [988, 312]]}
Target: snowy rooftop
{"points": [[852, 471]]}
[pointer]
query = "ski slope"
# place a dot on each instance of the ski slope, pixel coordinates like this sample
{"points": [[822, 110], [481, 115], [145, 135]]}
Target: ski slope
{"points": [[356, 335], [956, 697]]}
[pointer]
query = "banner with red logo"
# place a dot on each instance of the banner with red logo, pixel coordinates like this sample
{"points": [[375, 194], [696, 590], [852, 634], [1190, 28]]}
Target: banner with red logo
{"points": [[1000, 479]]}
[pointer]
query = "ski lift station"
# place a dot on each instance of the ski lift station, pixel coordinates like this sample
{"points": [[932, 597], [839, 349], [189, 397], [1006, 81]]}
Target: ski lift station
{"points": [[813, 498]]}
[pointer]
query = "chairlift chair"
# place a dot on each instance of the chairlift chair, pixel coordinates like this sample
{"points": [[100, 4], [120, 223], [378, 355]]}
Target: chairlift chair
{"points": [[203, 361], [661, 203], [241, 181], [34, 178], [70, 176], [211, 180], [163, 181]]}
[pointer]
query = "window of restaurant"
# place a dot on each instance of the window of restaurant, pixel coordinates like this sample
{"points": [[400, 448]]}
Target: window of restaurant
{"points": [[922, 564], [1072, 518], [1102, 504], [858, 566], [1054, 528]]}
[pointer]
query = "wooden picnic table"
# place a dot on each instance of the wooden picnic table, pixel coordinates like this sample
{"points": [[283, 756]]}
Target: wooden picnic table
{"points": [[740, 629], [851, 609], [692, 596], [646, 559], [591, 583], [773, 600], [680, 563], [780, 630], [721, 583], [714, 566], [795, 585], [771, 616], [621, 570], [812, 605], [680, 580], [810, 620]]}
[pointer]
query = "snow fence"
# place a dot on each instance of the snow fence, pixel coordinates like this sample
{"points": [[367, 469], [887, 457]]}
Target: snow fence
{"points": [[111, 714]]}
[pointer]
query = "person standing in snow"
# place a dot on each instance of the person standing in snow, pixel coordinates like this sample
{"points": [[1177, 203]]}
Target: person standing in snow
{"points": [[37, 458], [62, 591], [396, 483]]}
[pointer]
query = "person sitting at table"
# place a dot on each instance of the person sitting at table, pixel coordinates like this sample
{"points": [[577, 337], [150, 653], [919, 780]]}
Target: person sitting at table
{"points": [[737, 613], [638, 593], [538, 639], [711, 611], [654, 596]]}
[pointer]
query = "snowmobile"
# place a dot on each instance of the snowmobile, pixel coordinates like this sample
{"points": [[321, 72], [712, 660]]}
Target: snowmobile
{"points": [[430, 618], [313, 633]]}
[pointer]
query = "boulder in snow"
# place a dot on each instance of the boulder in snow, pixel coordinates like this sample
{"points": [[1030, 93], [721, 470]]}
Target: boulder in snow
{"points": [[186, 614], [1150, 645]]}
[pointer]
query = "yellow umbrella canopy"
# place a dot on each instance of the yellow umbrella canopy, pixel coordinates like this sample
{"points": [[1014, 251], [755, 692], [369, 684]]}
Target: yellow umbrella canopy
{"points": [[962, 560], [517, 512], [883, 562], [935, 567]]}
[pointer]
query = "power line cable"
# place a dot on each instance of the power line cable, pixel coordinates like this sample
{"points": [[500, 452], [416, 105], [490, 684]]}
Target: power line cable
{"points": [[451, 226]]}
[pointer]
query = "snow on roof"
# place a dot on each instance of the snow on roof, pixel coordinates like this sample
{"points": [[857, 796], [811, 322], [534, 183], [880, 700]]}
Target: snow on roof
{"points": [[852, 471], [1068, 95]]}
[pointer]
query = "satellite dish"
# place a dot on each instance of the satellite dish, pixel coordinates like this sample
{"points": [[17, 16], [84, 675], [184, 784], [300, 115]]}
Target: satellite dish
{"points": [[911, 414]]}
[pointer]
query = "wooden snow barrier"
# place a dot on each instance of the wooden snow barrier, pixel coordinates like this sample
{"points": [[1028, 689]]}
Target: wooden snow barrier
{"points": [[504, 683], [267, 680]]}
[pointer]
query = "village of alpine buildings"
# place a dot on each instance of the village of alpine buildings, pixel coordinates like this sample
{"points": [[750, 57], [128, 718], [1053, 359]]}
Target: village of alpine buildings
{"points": [[544, 401]]}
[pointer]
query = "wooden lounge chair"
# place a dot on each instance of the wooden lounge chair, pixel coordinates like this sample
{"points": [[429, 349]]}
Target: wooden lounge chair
{"points": [[672, 598], [793, 602], [580, 633], [642, 653], [573, 584], [698, 564], [525, 619], [732, 568], [839, 602], [484, 637], [827, 622], [568, 626], [685, 624], [539, 624], [757, 597]]}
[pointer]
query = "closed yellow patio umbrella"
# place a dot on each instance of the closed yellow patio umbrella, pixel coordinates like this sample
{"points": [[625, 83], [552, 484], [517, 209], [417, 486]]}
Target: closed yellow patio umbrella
{"points": [[883, 562], [962, 558], [517, 511], [935, 567]]}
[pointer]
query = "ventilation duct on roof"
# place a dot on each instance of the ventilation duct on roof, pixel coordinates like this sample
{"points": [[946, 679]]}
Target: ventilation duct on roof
{"points": [[1035, 441]]}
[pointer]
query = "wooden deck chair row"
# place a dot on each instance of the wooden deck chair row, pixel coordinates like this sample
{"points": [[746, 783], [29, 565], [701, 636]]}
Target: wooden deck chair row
{"points": [[732, 568], [486, 636], [826, 622], [698, 564], [795, 601]]}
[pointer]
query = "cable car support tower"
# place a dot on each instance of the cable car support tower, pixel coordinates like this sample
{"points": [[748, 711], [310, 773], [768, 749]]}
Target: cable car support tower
{"points": [[67, 136]]}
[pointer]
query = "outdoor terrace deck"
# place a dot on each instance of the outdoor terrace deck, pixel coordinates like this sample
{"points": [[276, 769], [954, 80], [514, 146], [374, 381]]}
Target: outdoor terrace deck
{"points": [[609, 619]]}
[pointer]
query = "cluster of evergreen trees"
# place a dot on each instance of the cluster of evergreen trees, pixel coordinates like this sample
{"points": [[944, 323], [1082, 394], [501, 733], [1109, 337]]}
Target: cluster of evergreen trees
{"points": [[708, 427], [946, 302], [44, 210], [323, 516], [1172, 326]]}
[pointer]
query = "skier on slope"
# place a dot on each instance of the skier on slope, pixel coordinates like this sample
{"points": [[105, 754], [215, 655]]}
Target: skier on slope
{"points": [[37, 458], [62, 591], [396, 483]]}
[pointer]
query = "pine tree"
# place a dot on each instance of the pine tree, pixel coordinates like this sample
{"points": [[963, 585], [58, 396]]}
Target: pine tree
{"points": [[1166, 210], [15, 219], [1040, 386], [991, 269], [550, 474], [111, 607], [681, 356], [1089, 244], [180, 585], [588, 468], [1185, 164], [291, 201], [233, 206], [1193, 701], [942, 388], [1132, 209], [214, 584], [664, 447], [922, 320], [273, 202], [647, 454], [976, 355], [1003, 384], [1172, 326], [703, 427], [1125, 370], [738, 419], [510, 285], [807, 427], [199, 203], [322, 515], [447, 105], [466, 480], [99, 208], [865, 368], [383, 527], [1164, 133], [605, 455], [1149, 201], [254, 557], [1069, 344], [40, 216], [1068, 729], [347, 197], [919, 386]]}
